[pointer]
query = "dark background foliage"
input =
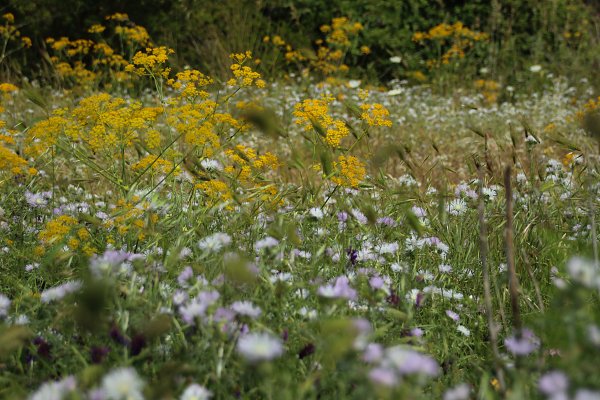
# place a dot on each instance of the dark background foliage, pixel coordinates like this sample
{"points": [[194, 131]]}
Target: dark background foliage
{"points": [[203, 32]]}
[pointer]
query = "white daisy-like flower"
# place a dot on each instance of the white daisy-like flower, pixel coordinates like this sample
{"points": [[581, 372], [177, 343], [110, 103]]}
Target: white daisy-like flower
{"points": [[60, 291], [265, 243], [215, 242], [316, 212], [195, 392], [211, 165], [396, 59], [246, 308], [259, 347], [123, 384], [457, 207]]}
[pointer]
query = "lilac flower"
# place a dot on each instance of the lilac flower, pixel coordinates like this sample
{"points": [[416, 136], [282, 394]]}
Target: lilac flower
{"points": [[60, 291], [179, 297], [246, 308], [586, 394], [259, 347], [111, 260], [523, 345], [360, 217], [373, 353], [454, 316], [342, 216], [383, 376], [419, 212], [388, 221], [553, 382], [376, 282], [38, 200], [340, 289], [185, 276], [416, 332], [197, 307], [388, 248], [4, 305], [407, 361], [459, 392]]}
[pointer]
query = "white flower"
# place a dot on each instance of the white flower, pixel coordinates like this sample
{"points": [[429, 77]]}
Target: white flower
{"points": [[316, 212], [535, 68], [4, 305], [266, 242], [457, 207], [211, 165], [462, 329], [55, 390], [396, 60], [215, 242], [123, 384], [246, 308], [259, 346], [195, 392], [395, 92], [353, 83], [60, 291]]}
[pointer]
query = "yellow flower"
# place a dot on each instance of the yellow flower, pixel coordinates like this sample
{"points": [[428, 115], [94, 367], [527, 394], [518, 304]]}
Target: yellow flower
{"points": [[351, 171], [375, 114]]}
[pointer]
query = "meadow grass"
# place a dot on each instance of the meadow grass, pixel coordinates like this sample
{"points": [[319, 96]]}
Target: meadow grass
{"points": [[178, 236]]}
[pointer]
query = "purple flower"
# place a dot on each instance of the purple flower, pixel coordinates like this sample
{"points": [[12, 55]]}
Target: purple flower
{"points": [[388, 221], [553, 382], [185, 276], [373, 352], [523, 344], [376, 282], [408, 361], [342, 216], [454, 316], [419, 212], [197, 307], [98, 354], [340, 289], [383, 376]]}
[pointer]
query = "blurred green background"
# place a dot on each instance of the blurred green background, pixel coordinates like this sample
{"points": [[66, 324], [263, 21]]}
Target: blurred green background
{"points": [[561, 35]]}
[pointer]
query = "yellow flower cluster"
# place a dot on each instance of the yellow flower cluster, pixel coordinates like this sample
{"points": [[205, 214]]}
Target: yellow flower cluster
{"points": [[57, 229], [150, 62], [457, 37], [132, 217], [189, 82], [244, 75], [350, 171], [10, 33], [217, 191], [375, 114], [330, 53], [244, 160], [8, 87], [489, 88], [154, 163], [444, 31], [340, 31], [314, 114]]}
